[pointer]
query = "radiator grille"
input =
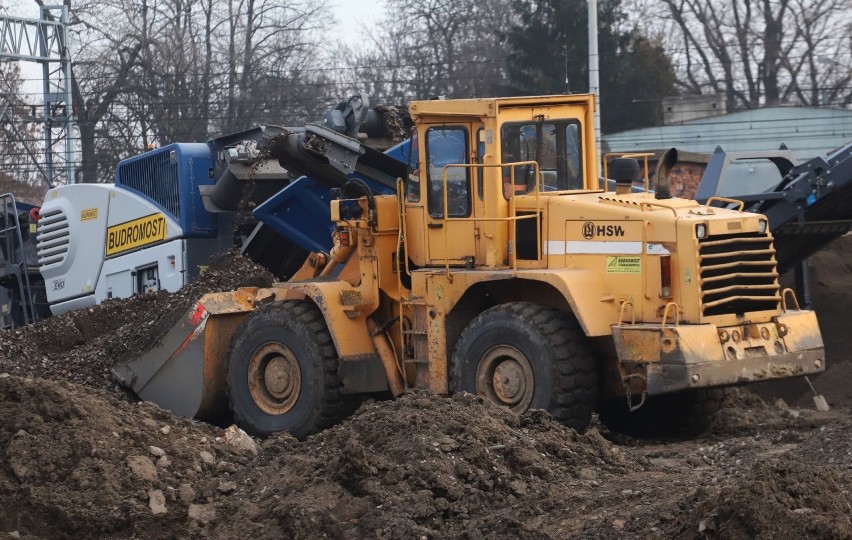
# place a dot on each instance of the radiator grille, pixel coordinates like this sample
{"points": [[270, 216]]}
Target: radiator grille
{"points": [[52, 237], [155, 176], [738, 274]]}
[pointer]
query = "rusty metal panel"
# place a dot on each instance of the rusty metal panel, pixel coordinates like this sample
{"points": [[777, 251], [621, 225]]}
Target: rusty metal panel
{"points": [[799, 330], [218, 335], [637, 344], [681, 344], [663, 379], [239, 301], [703, 355], [350, 297], [692, 344]]}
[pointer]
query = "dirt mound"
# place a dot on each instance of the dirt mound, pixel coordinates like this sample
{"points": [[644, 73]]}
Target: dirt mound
{"points": [[80, 462], [801, 493], [831, 291], [832, 445], [744, 412], [831, 288], [82, 346], [77, 463], [421, 466]]}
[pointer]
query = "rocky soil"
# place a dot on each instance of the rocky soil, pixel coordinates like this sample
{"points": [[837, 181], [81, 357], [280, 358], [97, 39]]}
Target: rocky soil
{"points": [[82, 346], [80, 459]]}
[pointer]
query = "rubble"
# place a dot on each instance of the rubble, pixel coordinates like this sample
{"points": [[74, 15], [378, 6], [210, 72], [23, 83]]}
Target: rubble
{"points": [[79, 458], [82, 346]]}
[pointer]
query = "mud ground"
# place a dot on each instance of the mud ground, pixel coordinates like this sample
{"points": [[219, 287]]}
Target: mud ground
{"points": [[80, 459]]}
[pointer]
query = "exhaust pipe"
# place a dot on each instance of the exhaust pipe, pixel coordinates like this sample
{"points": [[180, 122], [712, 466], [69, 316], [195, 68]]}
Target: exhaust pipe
{"points": [[664, 168]]}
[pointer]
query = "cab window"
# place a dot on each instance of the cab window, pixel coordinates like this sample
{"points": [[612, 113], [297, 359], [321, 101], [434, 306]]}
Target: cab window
{"points": [[556, 146], [447, 145], [412, 183]]}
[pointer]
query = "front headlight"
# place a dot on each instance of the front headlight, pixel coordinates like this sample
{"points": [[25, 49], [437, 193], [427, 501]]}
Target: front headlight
{"points": [[701, 231], [761, 226]]}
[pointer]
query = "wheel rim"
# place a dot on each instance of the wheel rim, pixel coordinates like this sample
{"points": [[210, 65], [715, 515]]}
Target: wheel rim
{"points": [[274, 378], [504, 375]]}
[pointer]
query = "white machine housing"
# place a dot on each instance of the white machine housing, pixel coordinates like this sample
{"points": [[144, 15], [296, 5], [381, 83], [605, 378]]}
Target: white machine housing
{"points": [[97, 241]]}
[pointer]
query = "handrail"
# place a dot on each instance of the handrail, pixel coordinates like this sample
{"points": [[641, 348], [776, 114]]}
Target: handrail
{"points": [[725, 200], [666, 315], [510, 218], [621, 312], [12, 224], [643, 204], [403, 244], [403, 230], [784, 294]]}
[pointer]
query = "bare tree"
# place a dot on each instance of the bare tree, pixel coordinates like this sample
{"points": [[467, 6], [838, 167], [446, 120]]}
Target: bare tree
{"points": [[107, 52], [171, 90], [757, 52], [821, 65], [270, 43], [156, 72], [434, 47], [21, 150]]}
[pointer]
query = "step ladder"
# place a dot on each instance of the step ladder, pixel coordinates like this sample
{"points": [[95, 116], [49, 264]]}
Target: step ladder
{"points": [[415, 344]]}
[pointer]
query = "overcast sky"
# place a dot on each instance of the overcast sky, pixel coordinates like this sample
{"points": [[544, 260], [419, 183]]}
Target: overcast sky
{"points": [[353, 15]]}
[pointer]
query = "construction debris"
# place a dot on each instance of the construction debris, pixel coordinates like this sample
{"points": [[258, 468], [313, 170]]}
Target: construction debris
{"points": [[78, 458]]}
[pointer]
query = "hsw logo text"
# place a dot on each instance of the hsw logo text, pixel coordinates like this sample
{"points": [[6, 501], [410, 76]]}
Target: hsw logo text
{"points": [[590, 230]]}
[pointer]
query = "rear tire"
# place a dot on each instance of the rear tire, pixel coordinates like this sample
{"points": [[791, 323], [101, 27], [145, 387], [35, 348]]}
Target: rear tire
{"points": [[282, 372], [684, 414], [528, 356]]}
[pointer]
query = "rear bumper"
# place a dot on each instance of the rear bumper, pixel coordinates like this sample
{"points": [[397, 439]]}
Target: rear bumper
{"points": [[661, 360]]}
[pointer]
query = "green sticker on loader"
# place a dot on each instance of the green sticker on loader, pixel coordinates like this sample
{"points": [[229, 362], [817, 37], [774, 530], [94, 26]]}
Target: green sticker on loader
{"points": [[624, 265]]}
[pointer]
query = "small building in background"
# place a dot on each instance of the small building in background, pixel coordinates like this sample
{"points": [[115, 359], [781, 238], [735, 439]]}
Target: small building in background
{"points": [[680, 109]]}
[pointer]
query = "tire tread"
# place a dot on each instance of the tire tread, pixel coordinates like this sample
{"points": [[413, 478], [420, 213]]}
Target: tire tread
{"points": [[333, 406], [575, 371]]}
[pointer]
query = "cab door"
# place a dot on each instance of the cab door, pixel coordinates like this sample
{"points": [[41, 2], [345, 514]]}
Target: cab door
{"points": [[447, 146]]}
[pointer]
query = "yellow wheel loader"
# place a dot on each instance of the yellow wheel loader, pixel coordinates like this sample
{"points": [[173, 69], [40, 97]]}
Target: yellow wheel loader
{"points": [[503, 268]]}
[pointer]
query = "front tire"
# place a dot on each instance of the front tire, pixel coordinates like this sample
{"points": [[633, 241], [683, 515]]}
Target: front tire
{"points": [[528, 356], [282, 372]]}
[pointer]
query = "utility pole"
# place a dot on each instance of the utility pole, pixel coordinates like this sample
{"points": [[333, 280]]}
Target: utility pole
{"points": [[594, 73]]}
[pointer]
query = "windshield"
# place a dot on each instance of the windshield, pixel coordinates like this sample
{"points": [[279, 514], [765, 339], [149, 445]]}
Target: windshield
{"points": [[554, 144]]}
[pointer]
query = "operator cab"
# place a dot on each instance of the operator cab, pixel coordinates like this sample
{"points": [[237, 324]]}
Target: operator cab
{"points": [[471, 160]]}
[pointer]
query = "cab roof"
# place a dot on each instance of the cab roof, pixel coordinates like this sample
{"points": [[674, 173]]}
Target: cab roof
{"points": [[491, 106]]}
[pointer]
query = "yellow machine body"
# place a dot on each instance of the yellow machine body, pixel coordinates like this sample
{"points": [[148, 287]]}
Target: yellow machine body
{"points": [[674, 295]]}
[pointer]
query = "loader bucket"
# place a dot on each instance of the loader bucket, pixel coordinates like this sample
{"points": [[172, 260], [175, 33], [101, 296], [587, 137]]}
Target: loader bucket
{"points": [[185, 371]]}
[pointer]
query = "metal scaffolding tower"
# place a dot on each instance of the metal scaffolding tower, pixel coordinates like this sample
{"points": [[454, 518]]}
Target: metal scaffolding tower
{"points": [[45, 40]]}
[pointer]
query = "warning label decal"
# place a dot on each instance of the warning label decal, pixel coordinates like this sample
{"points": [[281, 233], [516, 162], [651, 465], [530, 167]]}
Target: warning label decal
{"points": [[136, 233], [624, 265]]}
